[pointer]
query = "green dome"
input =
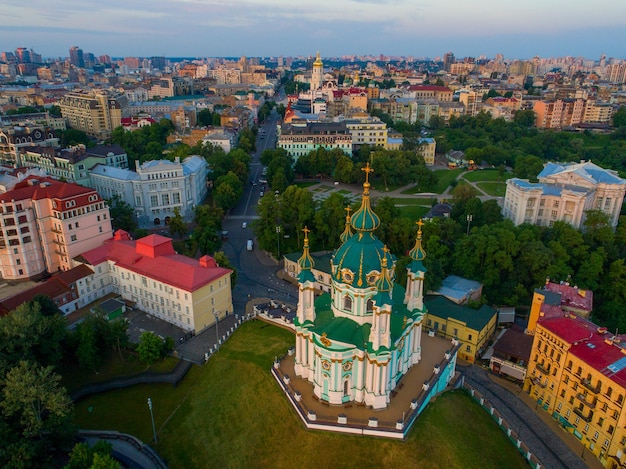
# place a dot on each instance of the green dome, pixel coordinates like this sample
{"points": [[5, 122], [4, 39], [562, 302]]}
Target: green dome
{"points": [[358, 259], [417, 254], [364, 219]]}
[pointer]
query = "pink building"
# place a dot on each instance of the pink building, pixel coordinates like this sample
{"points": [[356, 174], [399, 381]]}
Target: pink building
{"points": [[45, 223]]}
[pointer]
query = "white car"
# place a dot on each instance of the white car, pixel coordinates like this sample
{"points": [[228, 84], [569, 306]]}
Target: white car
{"points": [[244, 225]]}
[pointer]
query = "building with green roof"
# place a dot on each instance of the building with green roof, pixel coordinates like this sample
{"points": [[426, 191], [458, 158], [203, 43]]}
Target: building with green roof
{"points": [[473, 327], [355, 342]]}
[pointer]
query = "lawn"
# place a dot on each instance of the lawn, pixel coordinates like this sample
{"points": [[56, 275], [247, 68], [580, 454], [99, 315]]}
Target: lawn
{"points": [[497, 189], [230, 413], [445, 178], [490, 175], [305, 184]]}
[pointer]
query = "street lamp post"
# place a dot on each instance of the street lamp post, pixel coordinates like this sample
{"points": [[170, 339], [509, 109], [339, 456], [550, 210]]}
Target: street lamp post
{"points": [[217, 334], [278, 229], [152, 417], [469, 220]]}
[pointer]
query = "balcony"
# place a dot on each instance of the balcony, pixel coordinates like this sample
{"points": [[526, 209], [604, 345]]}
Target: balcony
{"points": [[581, 414], [54, 230], [57, 242], [587, 383], [538, 382], [543, 369], [582, 398]]}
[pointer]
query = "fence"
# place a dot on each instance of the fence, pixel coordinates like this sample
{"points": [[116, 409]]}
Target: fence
{"points": [[173, 377], [513, 435], [112, 437]]}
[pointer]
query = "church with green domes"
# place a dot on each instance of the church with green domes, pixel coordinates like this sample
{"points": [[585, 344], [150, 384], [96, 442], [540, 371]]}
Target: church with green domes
{"points": [[355, 343]]}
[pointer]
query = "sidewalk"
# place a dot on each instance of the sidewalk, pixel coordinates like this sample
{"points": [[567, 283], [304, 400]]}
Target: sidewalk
{"points": [[568, 438]]}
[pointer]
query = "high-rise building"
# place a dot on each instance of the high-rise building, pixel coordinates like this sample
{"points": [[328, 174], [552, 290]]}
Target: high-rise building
{"points": [[23, 55], [448, 60], [94, 112], [76, 57]]}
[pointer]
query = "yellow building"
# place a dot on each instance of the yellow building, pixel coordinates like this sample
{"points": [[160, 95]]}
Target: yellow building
{"points": [[472, 327], [191, 294], [94, 112], [577, 373]]}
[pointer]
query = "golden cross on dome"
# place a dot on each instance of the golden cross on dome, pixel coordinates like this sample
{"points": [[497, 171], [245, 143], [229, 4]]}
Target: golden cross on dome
{"points": [[385, 249], [348, 209], [306, 232], [367, 171], [419, 224]]}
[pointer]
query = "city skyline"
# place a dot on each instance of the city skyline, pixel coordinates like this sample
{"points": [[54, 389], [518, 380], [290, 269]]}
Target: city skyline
{"points": [[336, 28]]}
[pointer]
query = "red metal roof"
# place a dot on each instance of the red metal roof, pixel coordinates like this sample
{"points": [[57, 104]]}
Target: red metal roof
{"points": [[572, 297], [428, 88], [154, 257], [589, 343]]}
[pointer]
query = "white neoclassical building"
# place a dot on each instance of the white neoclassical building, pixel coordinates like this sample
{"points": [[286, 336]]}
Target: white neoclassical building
{"points": [[355, 343], [565, 191], [156, 188]]}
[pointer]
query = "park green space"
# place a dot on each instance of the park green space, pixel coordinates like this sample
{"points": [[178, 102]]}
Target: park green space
{"points": [[489, 175], [496, 189], [445, 178], [230, 413]]}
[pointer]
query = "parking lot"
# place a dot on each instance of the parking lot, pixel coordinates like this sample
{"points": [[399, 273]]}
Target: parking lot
{"points": [[140, 322]]}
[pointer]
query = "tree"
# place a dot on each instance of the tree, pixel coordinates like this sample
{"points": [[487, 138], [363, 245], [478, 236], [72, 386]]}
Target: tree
{"points": [[97, 456], [619, 117], [177, 225], [208, 228], [150, 347], [87, 351], [122, 214], [71, 137], [205, 118], [528, 167], [223, 261], [38, 410]]}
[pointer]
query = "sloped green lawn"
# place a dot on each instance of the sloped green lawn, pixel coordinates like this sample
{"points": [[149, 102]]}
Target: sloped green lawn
{"points": [[230, 413]]}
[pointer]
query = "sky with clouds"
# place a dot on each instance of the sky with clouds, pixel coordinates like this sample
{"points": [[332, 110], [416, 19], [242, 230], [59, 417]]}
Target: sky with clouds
{"points": [[419, 28]]}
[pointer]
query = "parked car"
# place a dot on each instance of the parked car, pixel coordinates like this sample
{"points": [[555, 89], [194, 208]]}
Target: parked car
{"points": [[244, 225]]}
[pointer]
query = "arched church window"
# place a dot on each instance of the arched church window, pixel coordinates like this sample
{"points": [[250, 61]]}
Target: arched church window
{"points": [[370, 305], [347, 303]]}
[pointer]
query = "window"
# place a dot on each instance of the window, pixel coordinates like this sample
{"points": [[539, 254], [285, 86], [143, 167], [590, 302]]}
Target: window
{"points": [[347, 303], [154, 201], [595, 435], [20, 272], [469, 336], [73, 238], [468, 348]]}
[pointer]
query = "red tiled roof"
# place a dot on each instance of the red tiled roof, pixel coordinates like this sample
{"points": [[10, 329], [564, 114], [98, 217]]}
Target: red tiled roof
{"points": [[161, 263], [53, 288], [39, 188]]}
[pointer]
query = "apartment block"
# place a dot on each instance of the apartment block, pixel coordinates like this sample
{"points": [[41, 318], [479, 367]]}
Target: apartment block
{"points": [[577, 373], [559, 113], [367, 130], [45, 223], [16, 138], [94, 112], [564, 192], [72, 164], [189, 293], [300, 140]]}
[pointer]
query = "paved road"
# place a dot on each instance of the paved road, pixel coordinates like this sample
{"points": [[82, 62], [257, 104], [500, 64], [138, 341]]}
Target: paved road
{"points": [[541, 439]]}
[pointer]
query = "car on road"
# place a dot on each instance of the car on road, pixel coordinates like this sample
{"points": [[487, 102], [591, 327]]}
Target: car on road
{"points": [[244, 225], [261, 194]]}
